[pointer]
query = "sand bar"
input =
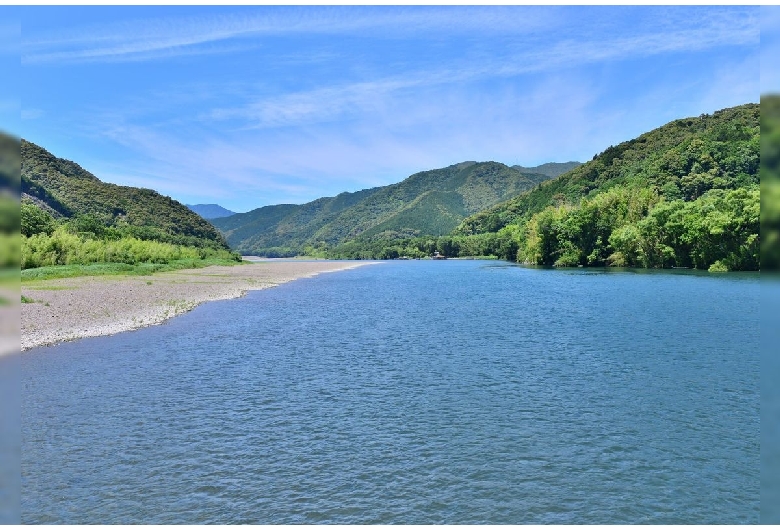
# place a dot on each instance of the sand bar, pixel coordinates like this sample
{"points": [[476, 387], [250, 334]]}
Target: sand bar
{"points": [[74, 308]]}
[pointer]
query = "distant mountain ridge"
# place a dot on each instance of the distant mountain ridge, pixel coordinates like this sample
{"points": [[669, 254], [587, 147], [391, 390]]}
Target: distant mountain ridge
{"points": [[210, 211], [66, 190], [427, 203], [551, 169]]}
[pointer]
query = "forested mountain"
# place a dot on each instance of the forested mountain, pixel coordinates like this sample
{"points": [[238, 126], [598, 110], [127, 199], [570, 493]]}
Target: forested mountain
{"points": [[63, 189], [429, 203], [680, 160], [210, 211], [685, 194], [551, 169]]}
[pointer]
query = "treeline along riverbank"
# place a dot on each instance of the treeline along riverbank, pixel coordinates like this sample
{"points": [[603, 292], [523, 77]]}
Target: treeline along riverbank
{"points": [[683, 195]]}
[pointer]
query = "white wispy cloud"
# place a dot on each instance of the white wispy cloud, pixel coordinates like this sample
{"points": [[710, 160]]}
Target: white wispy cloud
{"points": [[510, 95], [208, 165], [335, 102], [165, 37], [299, 165]]}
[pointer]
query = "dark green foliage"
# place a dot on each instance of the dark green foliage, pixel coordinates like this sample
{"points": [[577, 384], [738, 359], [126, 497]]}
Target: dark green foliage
{"points": [[394, 245], [622, 228], [70, 218], [70, 191], [35, 220], [682, 159], [684, 195], [770, 135], [429, 203], [572, 236], [770, 182]]}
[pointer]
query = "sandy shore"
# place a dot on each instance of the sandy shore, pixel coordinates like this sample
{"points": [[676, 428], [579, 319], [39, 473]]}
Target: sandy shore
{"points": [[73, 308]]}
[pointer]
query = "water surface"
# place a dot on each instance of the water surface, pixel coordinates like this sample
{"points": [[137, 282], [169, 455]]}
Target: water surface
{"points": [[411, 392]]}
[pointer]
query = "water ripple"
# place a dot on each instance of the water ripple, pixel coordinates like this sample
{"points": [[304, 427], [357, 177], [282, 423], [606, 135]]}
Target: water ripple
{"points": [[414, 392]]}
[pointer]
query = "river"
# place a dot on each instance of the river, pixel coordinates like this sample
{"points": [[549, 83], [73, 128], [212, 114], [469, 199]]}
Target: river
{"points": [[417, 392]]}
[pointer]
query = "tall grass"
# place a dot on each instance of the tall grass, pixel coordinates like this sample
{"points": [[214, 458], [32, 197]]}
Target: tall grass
{"points": [[106, 269], [65, 248]]}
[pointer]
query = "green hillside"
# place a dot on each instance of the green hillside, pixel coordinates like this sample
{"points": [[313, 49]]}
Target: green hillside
{"points": [[685, 195], [283, 229], [429, 203], [680, 160], [74, 224], [66, 190]]}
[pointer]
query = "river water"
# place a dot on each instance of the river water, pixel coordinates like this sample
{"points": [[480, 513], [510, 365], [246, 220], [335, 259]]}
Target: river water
{"points": [[411, 392]]}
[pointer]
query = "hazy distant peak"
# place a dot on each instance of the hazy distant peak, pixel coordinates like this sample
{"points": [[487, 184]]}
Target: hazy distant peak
{"points": [[210, 211], [551, 169]]}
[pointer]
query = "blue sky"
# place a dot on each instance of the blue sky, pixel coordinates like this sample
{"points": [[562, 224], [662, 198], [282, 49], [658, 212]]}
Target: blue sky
{"points": [[249, 106], [770, 49]]}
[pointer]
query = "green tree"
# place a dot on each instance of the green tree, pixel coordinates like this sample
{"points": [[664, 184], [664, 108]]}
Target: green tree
{"points": [[35, 220]]}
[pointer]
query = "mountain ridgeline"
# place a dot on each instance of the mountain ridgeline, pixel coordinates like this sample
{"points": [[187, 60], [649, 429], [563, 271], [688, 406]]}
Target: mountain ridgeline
{"points": [[66, 190], [683, 195], [210, 211], [429, 203], [69, 217], [551, 169]]}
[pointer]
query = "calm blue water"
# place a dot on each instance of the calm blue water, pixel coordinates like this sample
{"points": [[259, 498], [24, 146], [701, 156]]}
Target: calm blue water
{"points": [[411, 392]]}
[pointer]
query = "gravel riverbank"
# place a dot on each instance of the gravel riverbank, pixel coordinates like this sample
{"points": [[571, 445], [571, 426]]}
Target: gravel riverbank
{"points": [[73, 308]]}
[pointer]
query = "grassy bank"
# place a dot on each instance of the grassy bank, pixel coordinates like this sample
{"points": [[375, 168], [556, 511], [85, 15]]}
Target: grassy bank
{"points": [[103, 269]]}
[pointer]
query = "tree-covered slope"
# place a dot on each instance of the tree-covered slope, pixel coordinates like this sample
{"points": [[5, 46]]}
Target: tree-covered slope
{"points": [[461, 189], [680, 160], [283, 229], [426, 203], [683, 195], [68, 191]]}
